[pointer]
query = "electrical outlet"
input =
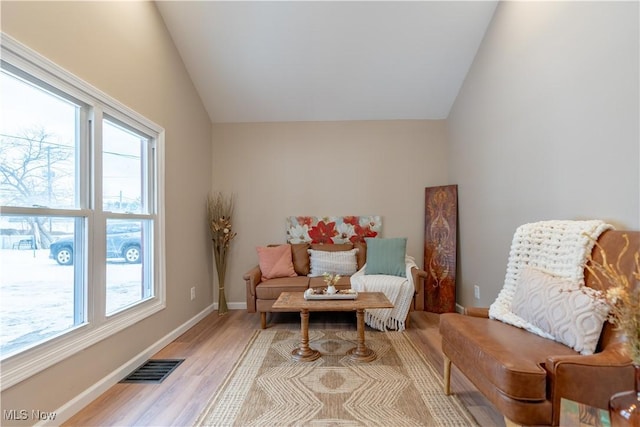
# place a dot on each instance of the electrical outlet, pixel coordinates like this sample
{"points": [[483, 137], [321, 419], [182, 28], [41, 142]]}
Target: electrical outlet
{"points": [[193, 293], [476, 291]]}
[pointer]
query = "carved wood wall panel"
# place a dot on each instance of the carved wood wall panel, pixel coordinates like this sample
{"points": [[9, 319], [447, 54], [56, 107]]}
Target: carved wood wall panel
{"points": [[440, 248]]}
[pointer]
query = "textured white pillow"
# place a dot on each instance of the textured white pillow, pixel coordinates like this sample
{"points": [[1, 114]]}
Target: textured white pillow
{"points": [[339, 262], [564, 309]]}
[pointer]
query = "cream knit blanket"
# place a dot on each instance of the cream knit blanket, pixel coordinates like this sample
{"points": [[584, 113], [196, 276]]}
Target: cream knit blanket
{"points": [[558, 247], [399, 290]]}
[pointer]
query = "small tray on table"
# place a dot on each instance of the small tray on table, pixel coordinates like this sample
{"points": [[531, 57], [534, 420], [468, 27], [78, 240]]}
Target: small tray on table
{"points": [[344, 294]]}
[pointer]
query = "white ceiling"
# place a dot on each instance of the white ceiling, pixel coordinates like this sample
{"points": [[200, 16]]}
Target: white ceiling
{"points": [[320, 61]]}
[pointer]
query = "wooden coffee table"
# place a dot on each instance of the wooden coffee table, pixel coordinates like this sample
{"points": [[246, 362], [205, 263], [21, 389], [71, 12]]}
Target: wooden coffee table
{"points": [[294, 301]]}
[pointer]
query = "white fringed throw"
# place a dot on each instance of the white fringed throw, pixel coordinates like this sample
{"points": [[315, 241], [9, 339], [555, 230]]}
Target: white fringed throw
{"points": [[399, 290], [558, 247]]}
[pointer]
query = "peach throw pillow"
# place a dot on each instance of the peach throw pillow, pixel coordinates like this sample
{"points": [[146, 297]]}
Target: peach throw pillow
{"points": [[276, 262]]}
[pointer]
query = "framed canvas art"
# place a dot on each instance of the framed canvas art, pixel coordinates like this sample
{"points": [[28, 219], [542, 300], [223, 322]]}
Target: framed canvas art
{"points": [[332, 229]]}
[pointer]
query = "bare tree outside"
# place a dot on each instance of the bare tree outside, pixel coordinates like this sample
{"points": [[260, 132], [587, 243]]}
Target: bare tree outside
{"points": [[35, 171]]}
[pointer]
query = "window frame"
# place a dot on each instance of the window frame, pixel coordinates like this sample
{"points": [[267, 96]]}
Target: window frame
{"points": [[97, 326]]}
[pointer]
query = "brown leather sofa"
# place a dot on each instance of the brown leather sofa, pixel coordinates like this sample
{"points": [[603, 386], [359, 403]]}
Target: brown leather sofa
{"points": [[525, 375], [262, 294]]}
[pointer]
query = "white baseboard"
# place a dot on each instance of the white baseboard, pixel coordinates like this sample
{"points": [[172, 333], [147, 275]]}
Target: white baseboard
{"points": [[459, 308], [233, 305], [73, 406]]}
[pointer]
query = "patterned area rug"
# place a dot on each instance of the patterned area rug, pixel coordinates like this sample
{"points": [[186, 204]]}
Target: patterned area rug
{"points": [[268, 388]]}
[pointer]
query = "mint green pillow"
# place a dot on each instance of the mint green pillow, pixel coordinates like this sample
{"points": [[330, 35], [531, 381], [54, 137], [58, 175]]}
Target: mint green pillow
{"points": [[386, 256]]}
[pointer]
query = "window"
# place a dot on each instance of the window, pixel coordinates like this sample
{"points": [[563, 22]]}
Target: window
{"points": [[81, 236]]}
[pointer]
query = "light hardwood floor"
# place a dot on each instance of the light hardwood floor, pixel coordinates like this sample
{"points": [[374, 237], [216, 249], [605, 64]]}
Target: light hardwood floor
{"points": [[210, 350]]}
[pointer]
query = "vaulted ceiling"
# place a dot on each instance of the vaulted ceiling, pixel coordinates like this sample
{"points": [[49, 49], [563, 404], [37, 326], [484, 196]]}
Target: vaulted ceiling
{"points": [[320, 60]]}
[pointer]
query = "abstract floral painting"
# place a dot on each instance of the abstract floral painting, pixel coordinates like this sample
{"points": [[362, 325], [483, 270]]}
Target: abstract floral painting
{"points": [[332, 229]]}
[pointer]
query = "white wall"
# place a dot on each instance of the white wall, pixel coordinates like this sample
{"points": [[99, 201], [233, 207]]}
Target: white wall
{"points": [[123, 49], [545, 127], [325, 168]]}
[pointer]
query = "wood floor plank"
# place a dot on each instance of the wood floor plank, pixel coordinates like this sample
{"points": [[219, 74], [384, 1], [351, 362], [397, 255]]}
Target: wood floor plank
{"points": [[212, 347]]}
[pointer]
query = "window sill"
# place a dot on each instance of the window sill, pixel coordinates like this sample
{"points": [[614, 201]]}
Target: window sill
{"points": [[28, 363]]}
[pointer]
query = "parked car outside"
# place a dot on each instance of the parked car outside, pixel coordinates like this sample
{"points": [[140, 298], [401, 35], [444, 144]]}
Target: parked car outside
{"points": [[123, 242]]}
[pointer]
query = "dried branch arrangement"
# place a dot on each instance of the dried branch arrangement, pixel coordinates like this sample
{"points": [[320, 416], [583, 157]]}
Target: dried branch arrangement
{"points": [[622, 295], [220, 211]]}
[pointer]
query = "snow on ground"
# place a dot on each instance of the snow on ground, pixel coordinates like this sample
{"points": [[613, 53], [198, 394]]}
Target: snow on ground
{"points": [[36, 295]]}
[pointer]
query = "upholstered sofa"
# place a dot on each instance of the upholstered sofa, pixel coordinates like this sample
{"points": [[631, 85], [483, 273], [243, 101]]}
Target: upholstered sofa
{"points": [[525, 375], [262, 292]]}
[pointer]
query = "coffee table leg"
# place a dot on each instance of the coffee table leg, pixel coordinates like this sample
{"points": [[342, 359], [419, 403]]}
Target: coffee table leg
{"points": [[361, 353], [304, 353]]}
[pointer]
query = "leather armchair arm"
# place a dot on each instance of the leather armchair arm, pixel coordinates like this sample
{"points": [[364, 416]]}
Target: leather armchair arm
{"points": [[252, 278], [613, 355], [581, 377], [477, 311]]}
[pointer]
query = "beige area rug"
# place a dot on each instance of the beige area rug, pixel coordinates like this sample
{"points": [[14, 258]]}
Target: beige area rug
{"points": [[268, 388]]}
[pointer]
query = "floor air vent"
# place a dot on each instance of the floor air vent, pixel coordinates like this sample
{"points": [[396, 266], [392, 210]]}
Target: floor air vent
{"points": [[153, 371]]}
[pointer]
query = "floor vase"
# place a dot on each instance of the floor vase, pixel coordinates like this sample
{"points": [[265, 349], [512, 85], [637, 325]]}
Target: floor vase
{"points": [[222, 300], [221, 268], [624, 407]]}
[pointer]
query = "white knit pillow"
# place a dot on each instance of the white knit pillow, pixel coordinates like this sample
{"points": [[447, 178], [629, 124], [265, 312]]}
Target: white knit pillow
{"points": [[559, 247], [338, 262], [567, 311]]}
